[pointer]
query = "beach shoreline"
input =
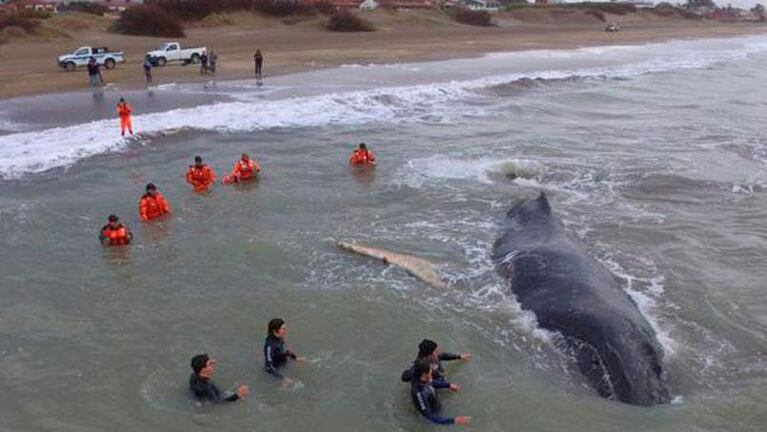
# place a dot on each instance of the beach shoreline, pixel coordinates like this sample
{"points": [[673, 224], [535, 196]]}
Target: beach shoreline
{"points": [[306, 46]]}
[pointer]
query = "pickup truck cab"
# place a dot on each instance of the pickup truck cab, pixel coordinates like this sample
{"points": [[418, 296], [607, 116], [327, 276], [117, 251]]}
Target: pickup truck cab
{"points": [[82, 55], [172, 51]]}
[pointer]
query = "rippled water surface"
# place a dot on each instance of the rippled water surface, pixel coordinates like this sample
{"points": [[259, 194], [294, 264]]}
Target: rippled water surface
{"points": [[654, 156]]}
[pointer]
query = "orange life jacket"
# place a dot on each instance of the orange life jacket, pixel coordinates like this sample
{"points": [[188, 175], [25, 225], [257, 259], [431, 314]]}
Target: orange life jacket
{"points": [[200, 178], [152, 207], [117, 237], [123, 110], [245, 170], [360, 157]]}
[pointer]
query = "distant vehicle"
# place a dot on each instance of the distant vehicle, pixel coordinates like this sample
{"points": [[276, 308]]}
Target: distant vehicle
{"points": [[172, 51], [613, 28], [82, 55]]}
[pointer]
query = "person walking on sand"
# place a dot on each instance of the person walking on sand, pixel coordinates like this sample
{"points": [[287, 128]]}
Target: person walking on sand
{"points": [[124, 112], [259, 59], [148, 70], [203, 63]]}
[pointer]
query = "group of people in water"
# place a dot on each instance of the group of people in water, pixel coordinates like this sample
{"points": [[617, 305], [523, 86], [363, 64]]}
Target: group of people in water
{"points": [[426, 375]]}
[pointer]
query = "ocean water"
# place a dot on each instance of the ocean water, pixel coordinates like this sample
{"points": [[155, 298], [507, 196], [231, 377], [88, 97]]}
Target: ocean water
{"points": [[654, 156]]}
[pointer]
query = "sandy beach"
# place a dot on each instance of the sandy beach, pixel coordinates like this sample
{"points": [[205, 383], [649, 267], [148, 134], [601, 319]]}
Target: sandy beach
{"points": [[27, 65]]}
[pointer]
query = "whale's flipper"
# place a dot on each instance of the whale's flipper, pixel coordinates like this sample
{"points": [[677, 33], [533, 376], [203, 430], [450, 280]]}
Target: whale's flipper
{"points": [[417, 267]]}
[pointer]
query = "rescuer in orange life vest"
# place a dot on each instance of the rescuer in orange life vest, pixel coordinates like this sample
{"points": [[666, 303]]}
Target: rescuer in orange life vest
{"points": [[114, 233], [362, 156], [200, 175], [152, 204], [124, 111], [244, 169]]}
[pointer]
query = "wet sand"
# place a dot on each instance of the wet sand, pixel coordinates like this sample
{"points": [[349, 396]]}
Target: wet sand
{"points": [[28, 66]]}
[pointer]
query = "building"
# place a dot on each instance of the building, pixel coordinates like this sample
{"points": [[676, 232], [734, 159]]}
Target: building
{"points": [[50, 6]]}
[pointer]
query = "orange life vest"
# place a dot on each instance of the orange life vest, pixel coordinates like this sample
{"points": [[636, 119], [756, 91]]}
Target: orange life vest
{"points": [[123, 110], [360, 157], [117, 237], [245, 170], [200, 178], [152, 207]]}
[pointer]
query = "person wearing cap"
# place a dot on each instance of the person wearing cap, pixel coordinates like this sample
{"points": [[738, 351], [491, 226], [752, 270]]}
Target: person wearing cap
{"points": [[202, 387], [200, 175], [423, 391], [114, 233], [276, 352], [429, 350], [362, 156], [152, 204]]}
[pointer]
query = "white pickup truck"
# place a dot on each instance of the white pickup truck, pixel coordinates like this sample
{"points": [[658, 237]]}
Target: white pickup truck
{"points": [[82, 55], [172, 51]]}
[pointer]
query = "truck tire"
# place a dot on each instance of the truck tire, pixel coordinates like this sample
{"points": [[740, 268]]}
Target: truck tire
{"points": [[70, 66], [110, 63], [195, 58], [161, 61]]}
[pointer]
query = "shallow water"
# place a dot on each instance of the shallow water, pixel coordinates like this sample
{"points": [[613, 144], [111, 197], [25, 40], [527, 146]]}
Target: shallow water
{"points": [[653, 156]]}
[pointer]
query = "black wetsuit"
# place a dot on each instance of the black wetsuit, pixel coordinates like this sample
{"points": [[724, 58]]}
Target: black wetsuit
{"points": [[276, 354], [426, 401], [259, 63], [203, 390], [437, 371]]}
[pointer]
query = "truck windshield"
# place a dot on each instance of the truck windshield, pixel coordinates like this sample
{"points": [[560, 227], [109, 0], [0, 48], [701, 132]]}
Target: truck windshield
{"points": [[168, 46], [82, 51]]}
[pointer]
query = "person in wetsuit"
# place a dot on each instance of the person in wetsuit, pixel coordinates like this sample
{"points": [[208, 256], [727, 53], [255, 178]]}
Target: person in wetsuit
{"points": [[203, 389], [423, 391], [429, 350], [276, 352]]}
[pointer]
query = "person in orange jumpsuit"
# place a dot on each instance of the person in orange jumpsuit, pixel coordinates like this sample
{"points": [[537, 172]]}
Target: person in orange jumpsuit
{"points": [[124, 111], [244, 169], [362, 156], [200, 175], [152, 204], [114, 233]]}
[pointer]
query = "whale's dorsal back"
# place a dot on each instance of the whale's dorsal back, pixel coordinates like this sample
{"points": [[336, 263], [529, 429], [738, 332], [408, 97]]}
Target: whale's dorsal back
{"points": [[531, 208]]}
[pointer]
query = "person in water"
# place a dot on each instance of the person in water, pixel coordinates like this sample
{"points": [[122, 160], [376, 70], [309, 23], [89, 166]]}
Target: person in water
{"points": [[148, 69], [200, 175], [362, 156], [423, 390], [152, 204], [244, 169], [276, 353], [429, 351], [124, 111], [202, 387], [114, 233]]}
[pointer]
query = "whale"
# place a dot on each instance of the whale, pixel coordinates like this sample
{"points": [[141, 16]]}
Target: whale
{"points": [[575, 296]]}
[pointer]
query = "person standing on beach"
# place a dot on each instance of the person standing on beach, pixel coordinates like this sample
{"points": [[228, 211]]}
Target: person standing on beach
{"points": [[148, 70], [259, 59], [124, 111], [94, 72], [212, 61], [203, 63], [202, 387]]}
